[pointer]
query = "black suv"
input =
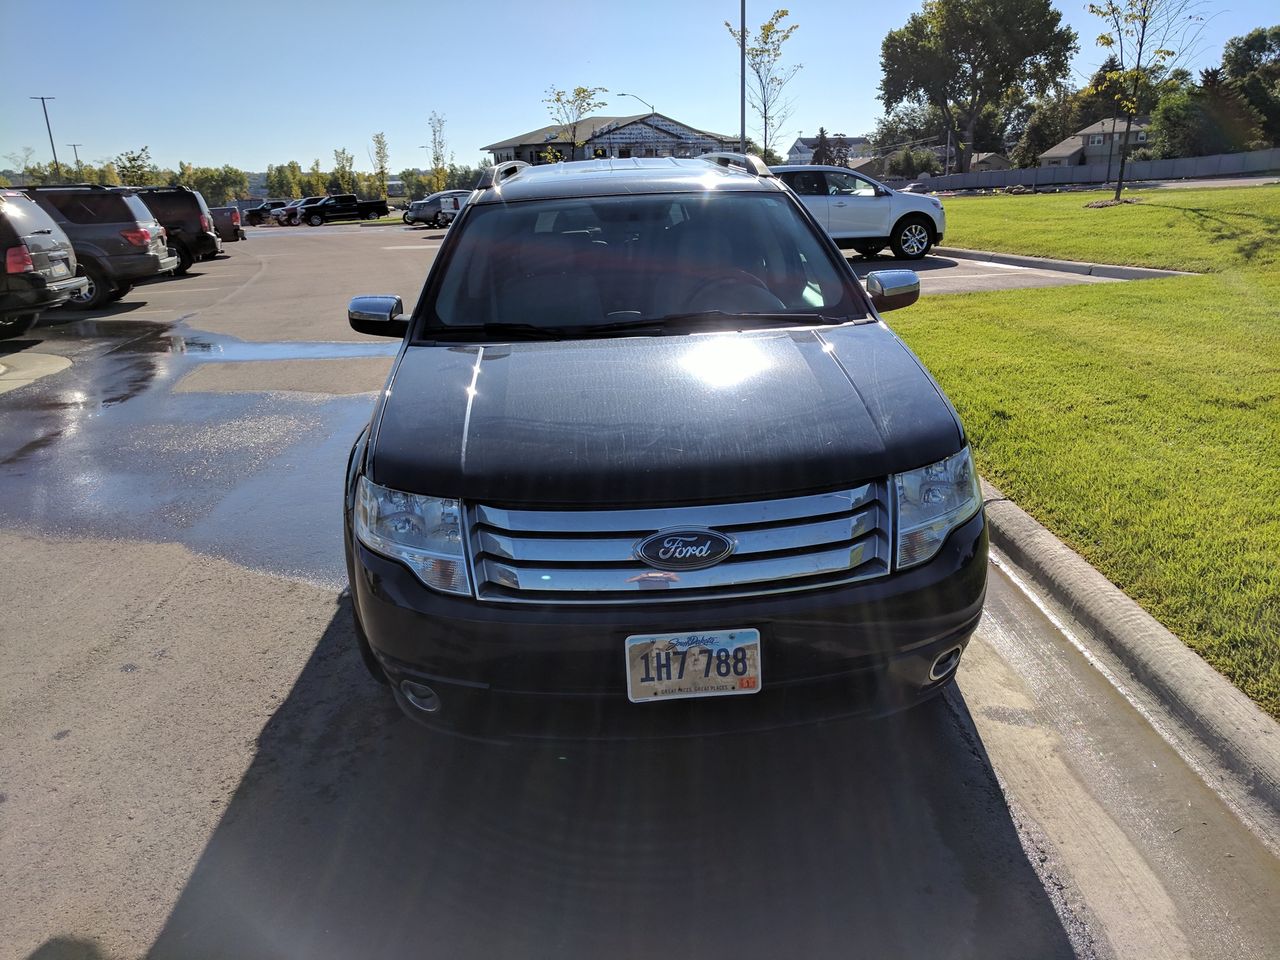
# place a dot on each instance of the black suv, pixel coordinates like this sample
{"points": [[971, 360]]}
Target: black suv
{"points": [[39, 264], [649, 463], [257, 216], [117, 240], [186, 217]]}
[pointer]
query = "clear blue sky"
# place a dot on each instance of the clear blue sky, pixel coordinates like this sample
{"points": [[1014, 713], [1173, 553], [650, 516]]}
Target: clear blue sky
{"points": [[352, 69]]}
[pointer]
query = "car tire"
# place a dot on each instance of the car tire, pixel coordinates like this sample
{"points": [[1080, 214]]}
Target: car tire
{"points": [[911, 238], [406, 219], [185, 260], [371, 215], [119, 292], [11, 327], [94, 295], [867, 250], [315, 220]]}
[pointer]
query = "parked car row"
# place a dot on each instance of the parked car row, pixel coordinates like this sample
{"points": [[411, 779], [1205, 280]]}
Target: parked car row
{"points": [[84, 245], [316, 211]]}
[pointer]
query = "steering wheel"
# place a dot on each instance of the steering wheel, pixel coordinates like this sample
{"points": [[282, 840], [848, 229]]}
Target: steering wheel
{"points": [[734, 291]]}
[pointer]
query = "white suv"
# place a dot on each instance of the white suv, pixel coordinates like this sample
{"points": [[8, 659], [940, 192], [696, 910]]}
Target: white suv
{"points": [[860, 213]]}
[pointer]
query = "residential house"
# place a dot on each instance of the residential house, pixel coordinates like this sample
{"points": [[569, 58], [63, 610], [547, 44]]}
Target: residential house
{"points": [[640, 135], [988, 161], [802, 150], [1097, 143]]}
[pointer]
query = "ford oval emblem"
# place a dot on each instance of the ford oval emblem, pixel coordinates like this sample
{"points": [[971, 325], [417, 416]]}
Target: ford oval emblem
{"points": [[684, 549]]}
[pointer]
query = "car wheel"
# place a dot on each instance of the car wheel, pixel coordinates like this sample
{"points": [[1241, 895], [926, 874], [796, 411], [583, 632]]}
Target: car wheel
{"points": [[371, 215], [95, 294], [11, 327], [911, 238], [184, 259], [868, 251], [315, 220], [406, 219], [119, 292]]}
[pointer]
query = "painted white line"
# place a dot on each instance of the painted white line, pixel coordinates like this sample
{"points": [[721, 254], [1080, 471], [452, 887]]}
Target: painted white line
{"points": [[1004, 266]]}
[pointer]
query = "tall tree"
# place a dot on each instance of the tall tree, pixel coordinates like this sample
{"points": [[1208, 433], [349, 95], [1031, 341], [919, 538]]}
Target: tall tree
{"points": [[1252, 64], [285, 180], [381, 166], [343, 178], [316, 182], [767, 78], [1145, 37], [962, 56], [569, 107], [136, 169], [1196, 121], [822, 149], [439, 149]]}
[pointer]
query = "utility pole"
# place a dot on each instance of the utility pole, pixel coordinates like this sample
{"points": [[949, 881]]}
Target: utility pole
{"points": [[742, 82], [57, 170], [75, 148]]}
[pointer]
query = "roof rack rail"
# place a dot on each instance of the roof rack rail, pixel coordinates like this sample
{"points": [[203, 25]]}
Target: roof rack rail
{"points": [[745, 161], [499, 172], [63, 186]]}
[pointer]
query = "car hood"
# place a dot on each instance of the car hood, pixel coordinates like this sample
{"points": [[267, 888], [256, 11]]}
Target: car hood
{"points": [[646, 420]]}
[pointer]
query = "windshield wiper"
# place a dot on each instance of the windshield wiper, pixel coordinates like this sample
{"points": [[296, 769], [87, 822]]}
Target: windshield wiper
{"points": [[703, 316]]}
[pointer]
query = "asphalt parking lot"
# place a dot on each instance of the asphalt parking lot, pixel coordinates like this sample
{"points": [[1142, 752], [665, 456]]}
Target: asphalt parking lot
{"points": [[196, 765]]}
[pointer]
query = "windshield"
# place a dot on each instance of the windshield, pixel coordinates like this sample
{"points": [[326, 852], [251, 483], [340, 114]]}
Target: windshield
{"points": [[584, 263]]}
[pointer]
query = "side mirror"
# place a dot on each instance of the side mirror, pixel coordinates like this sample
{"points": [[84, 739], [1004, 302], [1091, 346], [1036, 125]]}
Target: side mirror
{"points": [[379, 315], [893, 289]]}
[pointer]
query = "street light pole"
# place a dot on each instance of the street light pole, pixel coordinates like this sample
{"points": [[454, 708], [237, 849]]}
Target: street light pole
{"points": [[742, 81], [641, 99], [75, 149], [57, 170]]}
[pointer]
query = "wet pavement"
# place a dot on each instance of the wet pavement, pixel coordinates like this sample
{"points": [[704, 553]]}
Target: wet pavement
{"points": [[196, 765]]}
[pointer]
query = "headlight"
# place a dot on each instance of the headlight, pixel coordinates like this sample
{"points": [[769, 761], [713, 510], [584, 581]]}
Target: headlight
{"points": [[933, 501], [424, 533]]}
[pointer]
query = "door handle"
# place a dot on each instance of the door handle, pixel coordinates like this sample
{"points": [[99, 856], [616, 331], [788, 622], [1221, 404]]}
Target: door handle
{"points": [[840, 204]]}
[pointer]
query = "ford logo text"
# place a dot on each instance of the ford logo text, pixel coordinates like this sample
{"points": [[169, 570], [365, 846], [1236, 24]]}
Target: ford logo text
{"points": [[684, 549]]}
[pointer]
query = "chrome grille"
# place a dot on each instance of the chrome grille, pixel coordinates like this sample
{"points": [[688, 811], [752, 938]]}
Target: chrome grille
{"points": [[586, 556]]}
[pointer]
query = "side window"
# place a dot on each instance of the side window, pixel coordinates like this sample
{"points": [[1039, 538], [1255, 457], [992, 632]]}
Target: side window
{"points": [[806, 184], [1095, 140], [847, 185]]}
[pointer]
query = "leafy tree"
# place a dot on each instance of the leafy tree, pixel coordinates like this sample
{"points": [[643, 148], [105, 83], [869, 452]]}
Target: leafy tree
{"points": [[136, 169], [822, 149], [464, 177], [1146, 37], [911, 163], [766, 77], [962, 56], [1202, 120], [285, 181], [316, 181], [4, 181], [343, 178], [1252, 64], [908, 124], [1054, 117], [568, 108], [439, 152], [381, 160], [416, 186]]}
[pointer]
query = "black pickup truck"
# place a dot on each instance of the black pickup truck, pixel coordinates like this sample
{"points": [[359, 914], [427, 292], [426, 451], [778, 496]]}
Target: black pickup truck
{"points": [[260, 214], [343, 206]]}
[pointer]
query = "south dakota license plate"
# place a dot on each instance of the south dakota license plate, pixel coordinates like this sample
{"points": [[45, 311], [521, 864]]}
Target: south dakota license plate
{"points": [[706, 663]]}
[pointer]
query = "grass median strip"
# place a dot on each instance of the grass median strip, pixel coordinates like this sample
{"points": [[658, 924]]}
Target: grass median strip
{"points": [[1139, 421], [1203, 231]]}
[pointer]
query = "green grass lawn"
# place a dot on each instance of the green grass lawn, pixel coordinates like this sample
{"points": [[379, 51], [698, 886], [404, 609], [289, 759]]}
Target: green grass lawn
{"points": [[1199, 230], [1139, 421]]}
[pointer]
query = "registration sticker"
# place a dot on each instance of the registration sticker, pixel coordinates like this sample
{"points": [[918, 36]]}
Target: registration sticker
{"points": [[706, 663]]}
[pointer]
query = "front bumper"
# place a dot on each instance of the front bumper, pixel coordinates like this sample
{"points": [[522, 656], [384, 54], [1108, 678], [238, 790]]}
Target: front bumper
{"points": [[514, 670]]}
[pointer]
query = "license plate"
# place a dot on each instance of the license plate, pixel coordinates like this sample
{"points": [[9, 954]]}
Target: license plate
{"points": [[708, 663], [60, 268]]}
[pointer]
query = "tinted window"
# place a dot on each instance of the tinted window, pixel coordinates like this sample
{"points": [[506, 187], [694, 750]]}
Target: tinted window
{"points": [[807, 184], [93, 207], [21, 217], [584, 261], [171, 206]]}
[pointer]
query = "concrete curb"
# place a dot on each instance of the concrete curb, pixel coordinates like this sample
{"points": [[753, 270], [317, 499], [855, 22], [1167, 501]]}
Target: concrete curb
{"points": [[1106, 270], [1241, 739]]}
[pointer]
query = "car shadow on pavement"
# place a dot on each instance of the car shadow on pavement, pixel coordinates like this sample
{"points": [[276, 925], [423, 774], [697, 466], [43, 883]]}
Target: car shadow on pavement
{"points": [[863, 265], [356, 833]]}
